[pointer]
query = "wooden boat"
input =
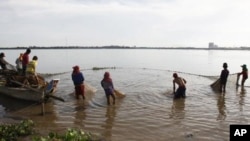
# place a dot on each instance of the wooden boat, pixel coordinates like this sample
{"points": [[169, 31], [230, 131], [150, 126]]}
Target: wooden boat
{"points": [[15, 88]]}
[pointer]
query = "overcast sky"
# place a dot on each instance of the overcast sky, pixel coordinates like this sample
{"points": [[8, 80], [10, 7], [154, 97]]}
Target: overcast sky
{"points": [[151, 23]]}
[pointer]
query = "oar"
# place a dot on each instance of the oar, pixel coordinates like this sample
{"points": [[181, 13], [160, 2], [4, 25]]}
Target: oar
{"points": [[55, 97]]}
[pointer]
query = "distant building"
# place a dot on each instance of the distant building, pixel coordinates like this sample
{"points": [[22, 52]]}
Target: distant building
{"points": [[212, 45]]}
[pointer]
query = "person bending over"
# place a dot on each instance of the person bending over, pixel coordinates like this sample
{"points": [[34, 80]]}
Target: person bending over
{"points": [[244, 74], [181, 90]]}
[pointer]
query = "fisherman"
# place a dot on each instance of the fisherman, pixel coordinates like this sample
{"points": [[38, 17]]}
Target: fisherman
{"points": [[31, 71], [181, 90], [25, 60], [3, 62], [223, 77], [107, 85], [78, 80], [19, 63], [244, 74]]}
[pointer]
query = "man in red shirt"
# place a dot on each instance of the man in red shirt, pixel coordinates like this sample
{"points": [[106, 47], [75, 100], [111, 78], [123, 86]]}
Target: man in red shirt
{"points": [[25, 60]]}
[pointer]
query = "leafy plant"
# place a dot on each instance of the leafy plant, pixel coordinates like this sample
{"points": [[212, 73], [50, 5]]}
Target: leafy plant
{"points": [[10, 132], [70, 135]]}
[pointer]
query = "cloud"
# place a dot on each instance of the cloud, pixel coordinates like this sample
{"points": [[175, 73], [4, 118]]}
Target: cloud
{"points": [[131, 22]]}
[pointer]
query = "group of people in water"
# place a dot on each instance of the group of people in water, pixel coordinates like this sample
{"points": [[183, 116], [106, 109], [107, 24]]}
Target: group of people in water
{"points": [[180, 92], [24, 67], [224, 75], [106, 83]]}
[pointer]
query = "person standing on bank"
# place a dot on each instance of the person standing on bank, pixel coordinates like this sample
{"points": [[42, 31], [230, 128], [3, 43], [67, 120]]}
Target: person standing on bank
{"points": [[223, 77], [107, 85], [25, 60], [181, 90], [244, 74], [78, 80], [19, 63]]}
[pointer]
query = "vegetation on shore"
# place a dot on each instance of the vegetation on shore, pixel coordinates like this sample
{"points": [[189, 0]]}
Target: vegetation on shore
{"points": [[10, 132], [13, 132]]}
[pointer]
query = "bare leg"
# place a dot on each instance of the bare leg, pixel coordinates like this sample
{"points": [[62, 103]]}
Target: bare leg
{"points": [[113, 96], [224, 88], [242, 82], [237, 81], [221, 87], [108, 100]]}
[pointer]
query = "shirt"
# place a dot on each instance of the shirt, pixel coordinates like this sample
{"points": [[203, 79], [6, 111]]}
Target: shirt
{"points": [[31, 67], [25, 60], [77, 78]]}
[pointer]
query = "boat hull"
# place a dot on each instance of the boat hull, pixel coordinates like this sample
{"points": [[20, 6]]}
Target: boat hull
{"points": [[29, 94]]}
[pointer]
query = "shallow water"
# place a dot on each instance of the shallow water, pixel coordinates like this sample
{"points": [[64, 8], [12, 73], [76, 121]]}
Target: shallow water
{"points": [[148, 111]]}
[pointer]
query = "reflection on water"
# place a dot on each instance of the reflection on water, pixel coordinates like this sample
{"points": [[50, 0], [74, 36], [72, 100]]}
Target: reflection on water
{"points": [[241, 91], [109, 122], [221, 107], [148, 112], [178, 109], [80, 114]]}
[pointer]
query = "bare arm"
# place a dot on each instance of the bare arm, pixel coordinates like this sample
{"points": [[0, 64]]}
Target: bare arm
{"points": [[184, 81], [173, 86]]}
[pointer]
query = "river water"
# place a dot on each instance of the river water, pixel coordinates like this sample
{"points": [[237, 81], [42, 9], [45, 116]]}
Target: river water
{"points": [[148, 112]]}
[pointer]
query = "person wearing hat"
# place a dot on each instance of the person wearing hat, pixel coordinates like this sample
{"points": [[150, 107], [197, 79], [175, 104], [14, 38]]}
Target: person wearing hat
{"points": [[223, 77], [181, 90], [78, 80], [244, 74], [3, 63]]}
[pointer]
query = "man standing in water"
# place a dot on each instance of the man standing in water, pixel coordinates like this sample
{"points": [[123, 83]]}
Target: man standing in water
{"points": [[244, 74], [181, 91], [223, 78]]}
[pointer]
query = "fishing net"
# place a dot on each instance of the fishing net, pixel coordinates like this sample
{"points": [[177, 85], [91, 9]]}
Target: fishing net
{"points": [[232, 78]]}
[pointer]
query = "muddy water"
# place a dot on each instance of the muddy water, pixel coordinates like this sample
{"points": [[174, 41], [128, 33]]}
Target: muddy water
{"points": [[148, 111]]}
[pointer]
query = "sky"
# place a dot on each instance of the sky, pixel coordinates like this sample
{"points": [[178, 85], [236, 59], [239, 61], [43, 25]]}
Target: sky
{"points": [[140, 23]]}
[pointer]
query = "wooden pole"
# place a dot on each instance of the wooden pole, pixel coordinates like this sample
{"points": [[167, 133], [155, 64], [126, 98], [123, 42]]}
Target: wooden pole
{"points": [[43, 103], [42, 97]]}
